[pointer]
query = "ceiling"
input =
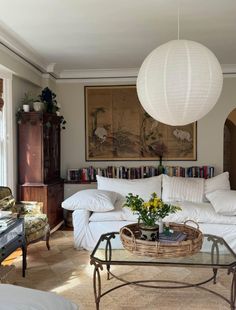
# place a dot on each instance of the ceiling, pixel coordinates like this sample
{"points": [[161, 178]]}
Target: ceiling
{"points": [[85, 35]]}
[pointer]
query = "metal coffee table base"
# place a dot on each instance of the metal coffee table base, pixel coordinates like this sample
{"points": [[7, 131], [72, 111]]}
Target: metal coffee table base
{"points": [[145, 283]]}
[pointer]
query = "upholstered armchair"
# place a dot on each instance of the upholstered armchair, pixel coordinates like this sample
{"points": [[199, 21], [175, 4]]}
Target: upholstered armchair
{"points": [[36, 222]]}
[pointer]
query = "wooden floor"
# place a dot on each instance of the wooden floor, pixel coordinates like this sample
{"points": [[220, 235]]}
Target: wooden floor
{"points": [[11, 258]]}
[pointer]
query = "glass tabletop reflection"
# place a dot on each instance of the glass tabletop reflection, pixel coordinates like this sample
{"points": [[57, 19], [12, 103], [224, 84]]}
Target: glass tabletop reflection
{"points": [[214, 252]]}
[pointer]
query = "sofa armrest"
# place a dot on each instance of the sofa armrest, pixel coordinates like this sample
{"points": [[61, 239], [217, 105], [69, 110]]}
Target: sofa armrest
{"points": [[81, 226]]}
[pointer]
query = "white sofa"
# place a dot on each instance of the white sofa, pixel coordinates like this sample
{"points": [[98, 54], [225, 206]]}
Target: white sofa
{"points": [[96, 213]]}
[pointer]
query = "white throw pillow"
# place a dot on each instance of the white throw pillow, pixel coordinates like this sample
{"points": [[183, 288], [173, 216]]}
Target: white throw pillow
{"points": [[223, 201], [142, 187], [182, 189], [91, 200], [219, 182]]}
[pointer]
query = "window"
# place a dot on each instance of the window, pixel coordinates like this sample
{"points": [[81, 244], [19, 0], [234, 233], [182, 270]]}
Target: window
{"points": [[6, 130], [2, 139]]}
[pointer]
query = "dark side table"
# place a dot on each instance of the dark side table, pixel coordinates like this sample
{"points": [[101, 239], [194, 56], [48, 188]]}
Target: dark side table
{"points": [[12, 237]]}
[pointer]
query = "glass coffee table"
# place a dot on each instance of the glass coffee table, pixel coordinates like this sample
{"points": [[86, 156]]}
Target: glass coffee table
{"points": [[215, 254]]}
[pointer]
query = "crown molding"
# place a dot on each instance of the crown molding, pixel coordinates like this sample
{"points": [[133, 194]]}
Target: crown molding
{"points": [[20, 59], [25, 54], [99, 73], [228, 69], [14, 45], [49, 76], [99, 81]]}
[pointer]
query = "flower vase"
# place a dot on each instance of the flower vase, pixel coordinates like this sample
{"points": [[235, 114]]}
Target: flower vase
{"points": [[149, 233], [161, 226], [38, 106], [160, 168]]}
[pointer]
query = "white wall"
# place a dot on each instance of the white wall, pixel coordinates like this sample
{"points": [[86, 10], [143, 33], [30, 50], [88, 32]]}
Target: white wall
{"points": [[209, 131]]}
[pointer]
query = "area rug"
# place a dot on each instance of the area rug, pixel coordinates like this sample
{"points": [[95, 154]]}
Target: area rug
{"points": [[68, 272]]}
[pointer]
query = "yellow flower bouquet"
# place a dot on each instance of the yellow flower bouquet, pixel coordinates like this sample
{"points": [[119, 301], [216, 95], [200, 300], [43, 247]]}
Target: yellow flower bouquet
{"points": [[151, 211]]}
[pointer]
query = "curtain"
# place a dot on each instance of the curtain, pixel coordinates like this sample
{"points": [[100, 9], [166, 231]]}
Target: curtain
{"points": [[1, 91], [2, 139]]}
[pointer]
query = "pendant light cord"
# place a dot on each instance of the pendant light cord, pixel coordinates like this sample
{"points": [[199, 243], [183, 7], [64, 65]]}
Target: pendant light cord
{"points": [[178, 22]]}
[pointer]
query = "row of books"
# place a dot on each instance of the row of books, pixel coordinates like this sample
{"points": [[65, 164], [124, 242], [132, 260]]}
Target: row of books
{"points": [[191, 172], [88, 174]]}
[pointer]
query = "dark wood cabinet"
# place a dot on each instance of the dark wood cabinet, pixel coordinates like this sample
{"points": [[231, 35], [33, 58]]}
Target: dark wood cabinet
{"points": [[39, 162]]}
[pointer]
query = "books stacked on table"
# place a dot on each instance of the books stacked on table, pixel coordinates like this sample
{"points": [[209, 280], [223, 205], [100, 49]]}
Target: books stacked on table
{"points": [[175, 236], [5, 222]]}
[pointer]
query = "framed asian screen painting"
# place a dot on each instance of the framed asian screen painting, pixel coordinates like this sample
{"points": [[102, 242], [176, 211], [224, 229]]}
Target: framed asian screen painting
{"points": [[118, 128]]}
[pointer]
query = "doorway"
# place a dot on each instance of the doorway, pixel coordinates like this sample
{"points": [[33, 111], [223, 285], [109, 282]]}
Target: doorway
{"points": [[230, 147]]}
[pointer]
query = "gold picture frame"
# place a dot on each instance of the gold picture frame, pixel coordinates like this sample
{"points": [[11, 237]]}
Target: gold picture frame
{"points": [[118, 128]]}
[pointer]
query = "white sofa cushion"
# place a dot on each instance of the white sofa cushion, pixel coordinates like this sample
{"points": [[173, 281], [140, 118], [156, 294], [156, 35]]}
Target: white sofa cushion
{"points": [[219, 182], [91, 200], [114, 215], [223, 201], [142, 187], [200, 213], [182, 189], [128, 215]]}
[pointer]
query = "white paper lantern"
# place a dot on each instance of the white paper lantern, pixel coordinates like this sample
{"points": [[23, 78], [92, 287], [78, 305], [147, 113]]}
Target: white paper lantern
{"points": [[179, 82]]}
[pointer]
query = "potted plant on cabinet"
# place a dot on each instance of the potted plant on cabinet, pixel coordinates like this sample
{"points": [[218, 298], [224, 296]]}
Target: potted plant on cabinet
{"points": [[46, 103], [48, 97], [27, 101]]}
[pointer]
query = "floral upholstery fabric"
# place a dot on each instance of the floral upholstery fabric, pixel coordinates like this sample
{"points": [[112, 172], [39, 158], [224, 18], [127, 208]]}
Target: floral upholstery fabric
{"points": [[36, 223], [28, 208], [35, 228], [4, 192], [7, 201]]}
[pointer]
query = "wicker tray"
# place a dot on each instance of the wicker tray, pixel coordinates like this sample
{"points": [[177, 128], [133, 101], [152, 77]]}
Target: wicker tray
{"points": [[130, 235]]}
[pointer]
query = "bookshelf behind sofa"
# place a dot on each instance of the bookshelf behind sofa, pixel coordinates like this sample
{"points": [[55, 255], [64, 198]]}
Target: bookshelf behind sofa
{"points": [[87, 175]]}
